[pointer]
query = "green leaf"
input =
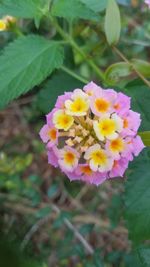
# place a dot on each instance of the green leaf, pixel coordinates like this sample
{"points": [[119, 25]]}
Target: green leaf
{"points": [[97, 259], [60, 219], [95, 5], [116, 71], [142, 66], [86, 229], [112, 22], [140, 99], [135, 82], [145, 137], [124, 2], [21, 8], [25, 63], [144, 255], [35, 179], [137, 196], [53, 190], [117, 205], [10, 254], [56, 86], [72, 9], [132, 260], [43, 212]]}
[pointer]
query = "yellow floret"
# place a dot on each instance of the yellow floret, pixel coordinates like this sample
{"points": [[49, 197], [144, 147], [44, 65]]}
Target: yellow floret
{"points": [[78, 107], [101, 105], [2, 25], [105, 128], [62, 120], [98, 159], [69, 158], [117, 145], [108, 127]]}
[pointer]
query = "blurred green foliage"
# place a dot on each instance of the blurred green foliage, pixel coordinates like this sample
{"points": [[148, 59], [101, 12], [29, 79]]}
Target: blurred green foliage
{"points": [[56, 46]]}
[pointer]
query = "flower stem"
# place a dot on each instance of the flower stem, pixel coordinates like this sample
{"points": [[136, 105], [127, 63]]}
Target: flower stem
{"points": [[119, 53], [97, 70], [73, 74], [74, 45]]}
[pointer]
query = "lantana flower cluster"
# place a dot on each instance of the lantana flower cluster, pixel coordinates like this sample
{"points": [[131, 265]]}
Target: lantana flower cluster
{"points": [[91, 134], [5, 22], [147, 2]]}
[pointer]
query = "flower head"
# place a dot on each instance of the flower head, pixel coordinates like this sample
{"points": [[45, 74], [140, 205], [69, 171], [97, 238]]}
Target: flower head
{"points": [[2, 25], [91, 134], [147, 2], [5, 22]]}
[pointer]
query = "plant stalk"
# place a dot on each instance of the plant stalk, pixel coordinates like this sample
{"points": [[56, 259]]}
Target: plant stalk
{"points": [[74, 45]]}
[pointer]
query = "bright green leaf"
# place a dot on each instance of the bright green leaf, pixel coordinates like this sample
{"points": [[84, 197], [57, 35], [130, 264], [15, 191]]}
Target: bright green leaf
{"points": [[21, 8], [145, 137], [95, 5], [25, 63], [116, 71], [30, 9], [112, 22], [142, 66], [140, 99], [137, 196], [73, 9]]}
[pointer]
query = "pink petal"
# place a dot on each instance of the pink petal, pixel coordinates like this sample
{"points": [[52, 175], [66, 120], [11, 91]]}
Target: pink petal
{"points": [[137, 145], [44, 133], [52, 157], [122, 104], [92, 88], [119, 168], [61, 100]]}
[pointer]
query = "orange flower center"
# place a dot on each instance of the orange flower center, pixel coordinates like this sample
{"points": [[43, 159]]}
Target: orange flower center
{"points": [[125, 123], [69, 157], [52, 134], [86, 170], [101, 105], [117, 106], [117, 145], [115, 164], [90, 93]]}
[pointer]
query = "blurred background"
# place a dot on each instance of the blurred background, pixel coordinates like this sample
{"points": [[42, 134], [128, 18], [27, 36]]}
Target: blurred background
{"points": [[46, 220]]}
